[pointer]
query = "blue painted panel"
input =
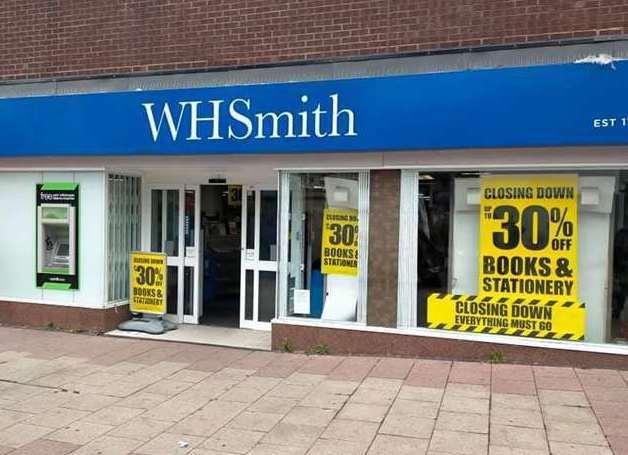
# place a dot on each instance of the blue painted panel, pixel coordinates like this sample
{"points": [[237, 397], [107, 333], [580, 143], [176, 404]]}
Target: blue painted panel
{"points": [[557, 105]]}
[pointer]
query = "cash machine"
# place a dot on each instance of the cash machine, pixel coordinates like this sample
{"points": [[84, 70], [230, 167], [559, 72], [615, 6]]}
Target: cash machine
{"points": [[57, 236]]}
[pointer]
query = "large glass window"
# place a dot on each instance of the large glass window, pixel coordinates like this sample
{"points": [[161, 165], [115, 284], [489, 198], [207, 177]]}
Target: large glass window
{"points": [[432, 240], [325, 275], [268, 226], [123, 231], [529, 254]]}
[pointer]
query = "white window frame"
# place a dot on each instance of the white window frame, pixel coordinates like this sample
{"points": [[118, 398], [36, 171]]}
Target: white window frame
{"points": [[182, 260], [254, 263], [408, 241]]}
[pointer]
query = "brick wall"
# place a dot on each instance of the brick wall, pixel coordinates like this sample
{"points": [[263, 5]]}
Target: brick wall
{"points": [[59, 38]]}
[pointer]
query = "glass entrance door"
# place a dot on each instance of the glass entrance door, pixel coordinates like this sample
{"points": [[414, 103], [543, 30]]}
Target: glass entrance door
{"points": [[173, 221], [259, 258]]}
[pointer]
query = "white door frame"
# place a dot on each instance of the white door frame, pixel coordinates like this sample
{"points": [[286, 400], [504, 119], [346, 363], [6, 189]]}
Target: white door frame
{"points": [[183, 259], [250, 259]]}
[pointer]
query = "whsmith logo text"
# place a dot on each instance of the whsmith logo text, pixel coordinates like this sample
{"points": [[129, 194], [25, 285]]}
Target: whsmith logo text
{"points": [[238, 119]]}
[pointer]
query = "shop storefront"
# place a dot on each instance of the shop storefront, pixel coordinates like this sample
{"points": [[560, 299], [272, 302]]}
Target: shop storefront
{"points": [[437, 213]]}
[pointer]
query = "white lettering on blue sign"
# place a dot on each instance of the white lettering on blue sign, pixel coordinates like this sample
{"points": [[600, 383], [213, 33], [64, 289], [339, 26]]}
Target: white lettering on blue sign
{"points": [[205, 120]]}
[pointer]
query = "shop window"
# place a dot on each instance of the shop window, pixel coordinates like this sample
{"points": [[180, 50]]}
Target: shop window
{"points": [[123, 231], [525, 254], [323, 261]]}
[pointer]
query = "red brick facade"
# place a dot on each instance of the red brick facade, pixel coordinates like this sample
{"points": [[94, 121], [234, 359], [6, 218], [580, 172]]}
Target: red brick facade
{"points": [[62, 317], [64, 38], [343, 341]]}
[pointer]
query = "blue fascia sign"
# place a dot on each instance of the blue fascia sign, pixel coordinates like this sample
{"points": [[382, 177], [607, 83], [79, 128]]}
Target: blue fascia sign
{"points": [[539, 106]]}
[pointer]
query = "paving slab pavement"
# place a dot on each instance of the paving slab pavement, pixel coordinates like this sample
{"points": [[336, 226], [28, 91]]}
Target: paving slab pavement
{"points": [[64, 393]]}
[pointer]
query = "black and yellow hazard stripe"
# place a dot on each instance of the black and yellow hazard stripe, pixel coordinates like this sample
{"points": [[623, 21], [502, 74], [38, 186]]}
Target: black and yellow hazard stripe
{"points": [[502, 331], [451, 298], [513, 300]]}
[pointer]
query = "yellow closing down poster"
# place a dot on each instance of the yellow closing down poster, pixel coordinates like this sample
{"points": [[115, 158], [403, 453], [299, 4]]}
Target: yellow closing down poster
{"points": [[339, 245], [148, 282], [529, 236]]}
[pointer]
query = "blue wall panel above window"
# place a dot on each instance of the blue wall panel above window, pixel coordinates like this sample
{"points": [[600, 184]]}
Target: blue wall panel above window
{"points": [[556, 105]]}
